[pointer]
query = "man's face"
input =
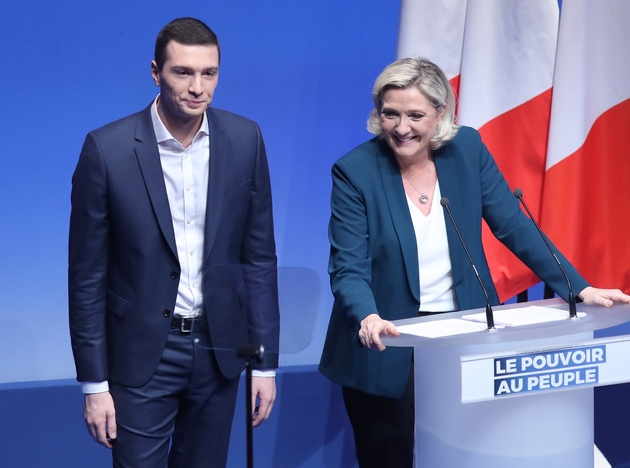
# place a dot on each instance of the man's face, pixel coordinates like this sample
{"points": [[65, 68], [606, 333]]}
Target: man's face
{"points": [[187, 81]]}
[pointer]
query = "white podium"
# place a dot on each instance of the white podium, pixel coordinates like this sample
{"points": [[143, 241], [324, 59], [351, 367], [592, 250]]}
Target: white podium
{"points": [[549, 424]]}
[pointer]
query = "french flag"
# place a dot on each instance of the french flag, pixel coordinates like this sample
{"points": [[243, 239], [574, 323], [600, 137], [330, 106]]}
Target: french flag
{"points": [[499, 55], [586, 201]]}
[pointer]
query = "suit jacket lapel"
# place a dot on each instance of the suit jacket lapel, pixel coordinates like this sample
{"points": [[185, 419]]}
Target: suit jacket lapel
{"points": [[449, 187], [219, 156], [149, 160], [399, 211]]}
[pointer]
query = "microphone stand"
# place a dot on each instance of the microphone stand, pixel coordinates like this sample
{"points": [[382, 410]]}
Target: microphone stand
{"points": [[249, 352], [489, 315], [518, 193]]}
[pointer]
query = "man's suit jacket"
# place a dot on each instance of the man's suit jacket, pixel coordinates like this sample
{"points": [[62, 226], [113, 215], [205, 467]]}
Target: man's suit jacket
{"points": [[123, 265], [374, 259]]}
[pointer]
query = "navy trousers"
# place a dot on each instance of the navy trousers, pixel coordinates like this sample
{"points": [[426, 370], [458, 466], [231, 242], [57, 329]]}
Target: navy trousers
{"points": [[188, 405]]}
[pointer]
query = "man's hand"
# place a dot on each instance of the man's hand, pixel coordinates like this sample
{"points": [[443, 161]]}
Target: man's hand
{"points": [[604, 297], [372, 327], [265, 389], [100, 417]]}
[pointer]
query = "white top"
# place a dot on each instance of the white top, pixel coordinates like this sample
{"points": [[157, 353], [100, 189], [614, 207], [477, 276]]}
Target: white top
{"points": [[434, 258], [186, 177]]}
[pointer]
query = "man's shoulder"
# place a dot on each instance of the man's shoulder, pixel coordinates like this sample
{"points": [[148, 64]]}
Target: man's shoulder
{"points": [[229, 119], [125, 125]]}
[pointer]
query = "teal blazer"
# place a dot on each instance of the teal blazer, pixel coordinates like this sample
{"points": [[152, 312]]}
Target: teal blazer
{"points": [[374, 261]]}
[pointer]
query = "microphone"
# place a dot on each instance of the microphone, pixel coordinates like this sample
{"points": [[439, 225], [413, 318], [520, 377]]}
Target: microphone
{"points": [[489, 316], [518, 193]]}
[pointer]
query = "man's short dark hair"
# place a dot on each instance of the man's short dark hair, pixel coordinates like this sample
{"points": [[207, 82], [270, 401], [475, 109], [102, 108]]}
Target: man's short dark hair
{"points": [[186, 31]]}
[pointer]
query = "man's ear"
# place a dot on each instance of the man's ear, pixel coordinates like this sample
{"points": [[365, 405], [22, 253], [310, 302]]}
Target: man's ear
{"points": [[155, 73]]}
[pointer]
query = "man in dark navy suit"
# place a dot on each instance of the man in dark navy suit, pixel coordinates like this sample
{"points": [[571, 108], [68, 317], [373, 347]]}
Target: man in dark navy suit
{"points": [[172, 265]]}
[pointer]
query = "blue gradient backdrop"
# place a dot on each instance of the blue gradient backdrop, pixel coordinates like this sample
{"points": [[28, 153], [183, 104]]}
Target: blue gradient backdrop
{"points": [[302, 69]]}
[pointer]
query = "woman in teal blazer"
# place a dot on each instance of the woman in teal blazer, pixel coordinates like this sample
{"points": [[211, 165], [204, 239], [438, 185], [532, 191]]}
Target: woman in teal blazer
{"points": [[374, 266]]}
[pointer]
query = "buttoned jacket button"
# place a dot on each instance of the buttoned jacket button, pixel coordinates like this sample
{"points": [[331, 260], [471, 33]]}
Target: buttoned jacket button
{"points": [[167, 312], [174, 274]]}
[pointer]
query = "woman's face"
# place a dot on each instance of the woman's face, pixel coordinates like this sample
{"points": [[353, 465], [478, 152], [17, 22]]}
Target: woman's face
{"points": [[408, 121]]}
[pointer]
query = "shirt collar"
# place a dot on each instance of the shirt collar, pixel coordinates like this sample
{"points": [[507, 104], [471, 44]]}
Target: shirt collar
{"points": [[161, 132]]}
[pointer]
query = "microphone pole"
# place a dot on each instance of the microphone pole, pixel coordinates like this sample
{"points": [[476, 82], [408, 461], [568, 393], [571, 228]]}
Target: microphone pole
{"points": [[489, 316], [249, 352], [518, 193]]}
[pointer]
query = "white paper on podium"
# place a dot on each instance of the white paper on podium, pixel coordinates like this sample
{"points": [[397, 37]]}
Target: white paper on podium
{"points": [[439, 328], [523, 316]]}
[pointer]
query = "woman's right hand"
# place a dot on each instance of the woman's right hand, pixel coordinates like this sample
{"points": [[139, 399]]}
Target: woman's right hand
{"points": [[372, 327]]}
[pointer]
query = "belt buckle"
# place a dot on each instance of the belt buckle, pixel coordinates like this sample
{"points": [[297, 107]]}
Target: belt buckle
{"points": [[182, 325]]}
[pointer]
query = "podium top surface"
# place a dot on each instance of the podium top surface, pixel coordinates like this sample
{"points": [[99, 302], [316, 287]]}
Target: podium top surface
{"points": [[597, 318]]}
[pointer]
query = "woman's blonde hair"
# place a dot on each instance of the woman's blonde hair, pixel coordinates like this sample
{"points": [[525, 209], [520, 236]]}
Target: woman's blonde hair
{"points": [[430, 80]]}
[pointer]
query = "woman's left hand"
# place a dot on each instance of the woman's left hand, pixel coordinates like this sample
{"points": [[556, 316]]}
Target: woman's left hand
{"points": [[604, 297], [372, 327]]}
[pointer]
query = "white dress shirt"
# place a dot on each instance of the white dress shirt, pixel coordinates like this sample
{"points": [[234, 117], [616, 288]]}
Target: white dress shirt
{"points": [[186, 178]]}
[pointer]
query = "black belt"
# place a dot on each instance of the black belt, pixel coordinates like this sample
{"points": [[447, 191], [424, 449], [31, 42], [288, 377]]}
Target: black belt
{"points": [[189, 324]]}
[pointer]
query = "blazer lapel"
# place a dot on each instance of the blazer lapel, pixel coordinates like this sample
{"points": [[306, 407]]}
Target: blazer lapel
{"points": [[219, 156], [149, 160], [399, 211], [449, 188]]}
